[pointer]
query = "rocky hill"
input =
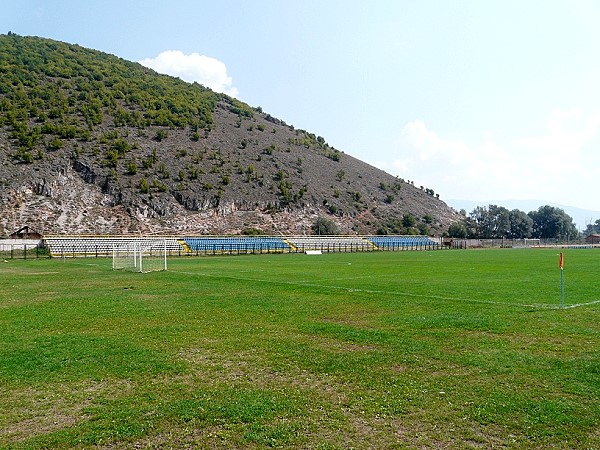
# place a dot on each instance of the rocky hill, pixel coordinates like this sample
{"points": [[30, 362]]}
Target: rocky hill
{"points": [[91, 143]]}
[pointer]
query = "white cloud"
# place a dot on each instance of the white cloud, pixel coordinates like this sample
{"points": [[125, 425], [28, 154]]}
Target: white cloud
{"points": [[560, 165], [567, 138], [205, 70], [451, 167]]}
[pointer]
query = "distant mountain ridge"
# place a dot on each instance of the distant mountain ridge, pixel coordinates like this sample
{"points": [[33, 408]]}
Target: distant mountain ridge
{"points": [[581, 217], [91, 143]]}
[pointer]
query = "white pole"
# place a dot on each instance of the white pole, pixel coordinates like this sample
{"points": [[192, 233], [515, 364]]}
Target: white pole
{"points": [[562, 281], [165, 254], [140, 258]]}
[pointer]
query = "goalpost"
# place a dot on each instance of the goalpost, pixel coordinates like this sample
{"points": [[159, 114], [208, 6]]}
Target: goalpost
{"points": [[532, 242], [140, 256]]}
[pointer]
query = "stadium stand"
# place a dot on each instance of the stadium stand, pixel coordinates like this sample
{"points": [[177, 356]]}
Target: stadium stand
{"points": [[73, 246], [330, 243], [403, 242], [242, 244], [102, 246]]}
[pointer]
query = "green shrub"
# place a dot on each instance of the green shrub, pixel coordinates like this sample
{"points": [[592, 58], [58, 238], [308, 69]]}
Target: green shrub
{"points": [[408, 220], [132, 168], [55, 144], [144, 186], [252, 232], [161, 135]]}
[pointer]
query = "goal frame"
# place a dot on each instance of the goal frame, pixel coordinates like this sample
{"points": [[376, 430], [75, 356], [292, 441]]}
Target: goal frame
{"points": [[133, 256]]}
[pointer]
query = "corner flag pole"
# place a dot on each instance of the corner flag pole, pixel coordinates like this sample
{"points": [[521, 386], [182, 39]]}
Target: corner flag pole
{"points": [[562, 280]]}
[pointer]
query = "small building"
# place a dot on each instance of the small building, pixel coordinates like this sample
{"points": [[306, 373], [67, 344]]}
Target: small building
{"points": [[25, 233], [593, 239]]}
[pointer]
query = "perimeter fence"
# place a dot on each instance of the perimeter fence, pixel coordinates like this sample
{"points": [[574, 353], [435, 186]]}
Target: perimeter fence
{"points": [[517, 243], [23, 251]]}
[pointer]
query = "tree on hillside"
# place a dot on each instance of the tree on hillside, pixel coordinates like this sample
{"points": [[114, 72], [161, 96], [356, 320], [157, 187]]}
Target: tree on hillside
{"points": [[324, 227], [552, 223], [408, 220]]}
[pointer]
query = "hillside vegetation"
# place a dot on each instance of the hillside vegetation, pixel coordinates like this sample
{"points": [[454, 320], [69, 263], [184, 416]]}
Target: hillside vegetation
{"points": [[91, 143]]}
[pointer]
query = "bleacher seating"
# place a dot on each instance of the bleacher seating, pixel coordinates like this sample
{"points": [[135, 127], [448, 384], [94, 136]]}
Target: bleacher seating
{"points": [[330, 243], [236, 244], [67, 246], [104, 245], [403, 242]]}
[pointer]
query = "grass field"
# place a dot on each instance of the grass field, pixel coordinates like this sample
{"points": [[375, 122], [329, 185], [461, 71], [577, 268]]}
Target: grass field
{"points": [[444, 349]]}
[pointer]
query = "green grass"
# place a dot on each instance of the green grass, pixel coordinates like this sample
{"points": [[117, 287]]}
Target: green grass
{"points": [[445, 349]]}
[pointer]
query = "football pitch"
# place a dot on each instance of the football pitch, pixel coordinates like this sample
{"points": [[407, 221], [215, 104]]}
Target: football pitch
{"points": [[429, 349]]}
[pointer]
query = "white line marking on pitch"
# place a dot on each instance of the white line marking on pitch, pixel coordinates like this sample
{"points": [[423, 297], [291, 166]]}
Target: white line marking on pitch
{"points": [[40, 273], [595, 302], [397, 293]]}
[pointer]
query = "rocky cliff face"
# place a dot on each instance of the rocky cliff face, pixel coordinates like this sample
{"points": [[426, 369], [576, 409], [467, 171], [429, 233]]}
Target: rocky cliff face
{"points": [[103, 146]]}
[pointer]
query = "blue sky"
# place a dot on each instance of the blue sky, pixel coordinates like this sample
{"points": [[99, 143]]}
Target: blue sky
{"points": [[479, 100]]}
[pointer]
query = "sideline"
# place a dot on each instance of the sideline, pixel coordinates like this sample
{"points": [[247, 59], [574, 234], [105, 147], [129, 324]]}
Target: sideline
{"points": [[595, 302], [40, 273], [395, 293]]}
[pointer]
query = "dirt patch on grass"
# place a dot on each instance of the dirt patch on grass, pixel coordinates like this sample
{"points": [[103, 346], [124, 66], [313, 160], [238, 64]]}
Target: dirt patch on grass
{"points": [[186, 436], [28, 412], [249, 368], [51, 420]]}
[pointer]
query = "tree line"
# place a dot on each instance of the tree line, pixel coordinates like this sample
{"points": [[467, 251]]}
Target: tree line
{"points": [[497, 222], [592, 228]]}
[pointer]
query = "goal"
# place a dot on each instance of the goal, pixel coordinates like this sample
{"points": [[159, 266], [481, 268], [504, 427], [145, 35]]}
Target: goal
{"points": [[138, 256]]}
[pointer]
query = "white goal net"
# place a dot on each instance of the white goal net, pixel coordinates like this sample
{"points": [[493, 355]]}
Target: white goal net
{"points": [[140, 256]]}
